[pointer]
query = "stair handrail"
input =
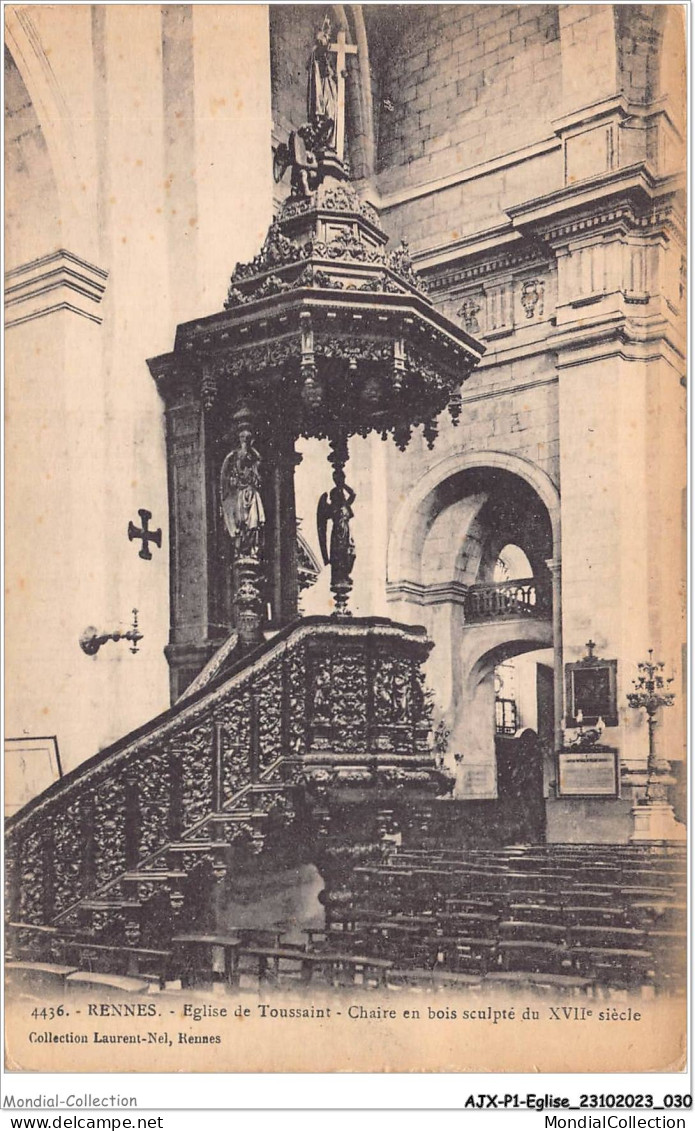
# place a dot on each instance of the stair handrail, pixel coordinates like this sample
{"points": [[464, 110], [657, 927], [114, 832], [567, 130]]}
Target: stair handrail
{"points": [[152, 770], [243, 670]]}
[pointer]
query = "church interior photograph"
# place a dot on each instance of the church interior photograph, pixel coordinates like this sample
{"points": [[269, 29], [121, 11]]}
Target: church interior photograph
{"points": [[346, 499]]}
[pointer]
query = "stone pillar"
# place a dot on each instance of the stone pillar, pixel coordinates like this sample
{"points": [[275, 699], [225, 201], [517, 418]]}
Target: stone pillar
{"points": [[281, 537], [188, 648], [555, 567], [476, 774]]}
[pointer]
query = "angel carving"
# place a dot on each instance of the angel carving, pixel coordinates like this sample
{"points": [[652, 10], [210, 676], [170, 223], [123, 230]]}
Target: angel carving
{"points": [[336, 508]]}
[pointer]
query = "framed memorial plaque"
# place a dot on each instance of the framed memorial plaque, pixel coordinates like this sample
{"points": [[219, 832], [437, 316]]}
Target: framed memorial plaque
{"points": [[588, 773]]}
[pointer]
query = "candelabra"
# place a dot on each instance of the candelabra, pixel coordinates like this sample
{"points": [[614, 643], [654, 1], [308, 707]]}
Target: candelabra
{"points": [[650, 694]]}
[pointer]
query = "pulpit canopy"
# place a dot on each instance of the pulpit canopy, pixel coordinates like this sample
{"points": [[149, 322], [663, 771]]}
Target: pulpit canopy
{"points": [[326, 330]]}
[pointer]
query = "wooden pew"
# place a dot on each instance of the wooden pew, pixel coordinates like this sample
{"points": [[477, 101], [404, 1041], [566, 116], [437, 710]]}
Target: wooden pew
{"points": [[198, 958], [619, 967], [39, 979], [628, 938], [105, 985], [532, 931], [534, 956], [125, 961]]}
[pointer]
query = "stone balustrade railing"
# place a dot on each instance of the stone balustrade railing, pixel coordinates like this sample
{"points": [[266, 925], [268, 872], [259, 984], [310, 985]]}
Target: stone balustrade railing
{"points": [[529, 597]]}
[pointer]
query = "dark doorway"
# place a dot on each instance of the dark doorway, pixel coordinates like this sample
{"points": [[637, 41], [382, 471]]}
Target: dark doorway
{"points": [[520, 780]]}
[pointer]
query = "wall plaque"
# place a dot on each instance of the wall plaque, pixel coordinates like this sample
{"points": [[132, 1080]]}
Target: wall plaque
{"points": [[590, 773]]}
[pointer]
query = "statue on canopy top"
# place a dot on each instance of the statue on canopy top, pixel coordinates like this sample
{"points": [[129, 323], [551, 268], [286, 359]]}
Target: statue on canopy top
{"points": [[322, 87], [301, 153], [312, 144]]}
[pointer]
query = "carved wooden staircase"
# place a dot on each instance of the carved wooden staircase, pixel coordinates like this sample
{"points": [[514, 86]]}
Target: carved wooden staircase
{"points": [[209, 842], [119, 848]]}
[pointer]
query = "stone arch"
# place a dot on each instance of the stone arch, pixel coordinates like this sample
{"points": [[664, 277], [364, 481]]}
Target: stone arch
{"points": [[445, 538], [33, 221], [69, 160], [473, 728], [428, 497], [639, 30], [527, 638]]}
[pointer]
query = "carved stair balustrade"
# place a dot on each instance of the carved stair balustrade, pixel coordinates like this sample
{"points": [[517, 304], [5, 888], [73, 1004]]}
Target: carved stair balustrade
{"points": [[322, 711]]}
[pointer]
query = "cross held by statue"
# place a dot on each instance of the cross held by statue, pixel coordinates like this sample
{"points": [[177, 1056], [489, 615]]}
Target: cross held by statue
{"points": [[326, 89], [145, 534], [341, 49]]}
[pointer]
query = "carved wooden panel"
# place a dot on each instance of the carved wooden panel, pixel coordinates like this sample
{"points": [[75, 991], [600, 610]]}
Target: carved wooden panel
{"points": [[295, 682], [337, 699], [196, 772], [153, 787], [68, 848], [268, 689], [109, 833], [31, 899], [235, 718], [339, 692]]}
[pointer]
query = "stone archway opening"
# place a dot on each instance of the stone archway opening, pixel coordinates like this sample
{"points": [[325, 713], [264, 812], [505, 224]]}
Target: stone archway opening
{"points": [[524, 708], [475, 555]]}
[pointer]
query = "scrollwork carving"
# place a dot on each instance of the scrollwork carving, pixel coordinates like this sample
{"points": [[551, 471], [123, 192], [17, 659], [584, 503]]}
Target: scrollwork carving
{"points": [[235, 716], [268, 689], [196, 772], [295, 682], [31, 897], [153, 787], [352, 348], [67, 851], [348, 700], [278, 250], [392, 695], [109, 830], [269, 355]]}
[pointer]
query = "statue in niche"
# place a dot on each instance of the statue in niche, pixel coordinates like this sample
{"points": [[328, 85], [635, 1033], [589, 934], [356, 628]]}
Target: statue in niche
{"points": [[336, 508], [322, 693], [401, 695], [240, 491], [322, 87]]}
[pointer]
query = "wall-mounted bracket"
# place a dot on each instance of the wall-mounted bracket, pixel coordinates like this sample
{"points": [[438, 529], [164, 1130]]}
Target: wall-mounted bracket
{"points": [[91, 639]]}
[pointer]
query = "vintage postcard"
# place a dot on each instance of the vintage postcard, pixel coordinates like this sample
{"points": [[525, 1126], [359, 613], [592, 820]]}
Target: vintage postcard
{"points": [[346, 537]]}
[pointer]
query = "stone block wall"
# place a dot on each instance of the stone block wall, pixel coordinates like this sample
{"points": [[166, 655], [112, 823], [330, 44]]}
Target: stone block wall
{"points": [[451, 76]]}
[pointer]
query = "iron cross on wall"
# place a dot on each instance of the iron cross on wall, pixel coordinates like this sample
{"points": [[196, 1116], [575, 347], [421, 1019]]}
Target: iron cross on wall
{"points": [[145, 534]]}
